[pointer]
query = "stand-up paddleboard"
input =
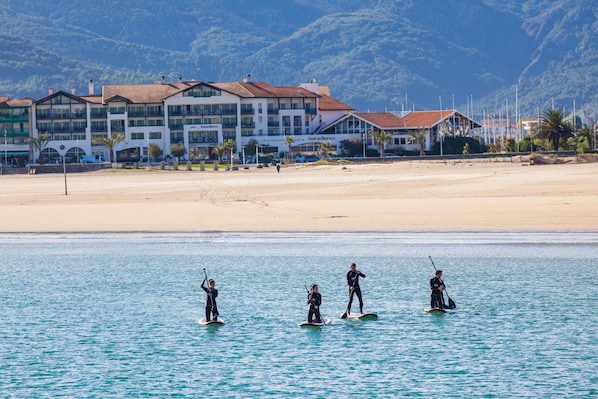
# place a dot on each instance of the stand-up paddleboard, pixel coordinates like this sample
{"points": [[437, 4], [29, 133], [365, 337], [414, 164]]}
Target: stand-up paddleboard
{"points": [[314, 324], [362, 316], [217, 322], [436, 310]]}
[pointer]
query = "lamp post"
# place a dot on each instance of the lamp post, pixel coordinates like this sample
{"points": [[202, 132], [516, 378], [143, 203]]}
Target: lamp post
{"points": [[243, 156], [5, 151]]}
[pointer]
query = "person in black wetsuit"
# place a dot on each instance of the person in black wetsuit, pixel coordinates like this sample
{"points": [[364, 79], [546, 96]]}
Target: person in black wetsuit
{"points": [[314, 299], [353, 281], [437, 286], [211, 294]]}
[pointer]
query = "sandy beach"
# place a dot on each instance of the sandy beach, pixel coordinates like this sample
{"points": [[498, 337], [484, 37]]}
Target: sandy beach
{"points": [[393, 196]]}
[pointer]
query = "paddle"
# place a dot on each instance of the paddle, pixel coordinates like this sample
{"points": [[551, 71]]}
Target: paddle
{"points": [[452, 304], [344, 315]]}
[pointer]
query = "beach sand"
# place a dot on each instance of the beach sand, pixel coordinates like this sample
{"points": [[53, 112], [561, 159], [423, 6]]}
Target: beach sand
{"points": [[393, 196]]}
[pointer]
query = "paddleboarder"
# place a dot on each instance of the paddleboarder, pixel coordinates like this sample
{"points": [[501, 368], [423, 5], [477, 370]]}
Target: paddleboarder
{"points": [[314, 299], [353, 282], [211, 294], [437, 286]]}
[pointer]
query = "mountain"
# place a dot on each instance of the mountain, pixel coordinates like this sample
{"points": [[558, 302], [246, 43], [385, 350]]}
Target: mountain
{"points": [[373, 54]]}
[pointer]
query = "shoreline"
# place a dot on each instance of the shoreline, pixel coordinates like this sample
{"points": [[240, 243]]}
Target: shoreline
{"points": [[409, 196]]}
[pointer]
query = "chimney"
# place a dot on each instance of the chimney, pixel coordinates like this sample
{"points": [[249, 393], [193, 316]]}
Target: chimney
{"points": [[247, 78], [50, 92], [162, 80], [73, 92], [91, 88], [180, 79]]}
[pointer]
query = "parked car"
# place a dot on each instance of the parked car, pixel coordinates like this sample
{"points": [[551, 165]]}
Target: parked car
{"points": [[91, 159], [312, 158]]}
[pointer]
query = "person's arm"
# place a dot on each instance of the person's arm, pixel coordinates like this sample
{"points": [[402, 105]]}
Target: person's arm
{"points": [[203, 286], [349, 283], [361, 274]]}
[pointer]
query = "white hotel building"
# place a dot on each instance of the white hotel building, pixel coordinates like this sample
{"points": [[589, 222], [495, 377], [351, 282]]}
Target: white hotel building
{"points": [[201, 115]]}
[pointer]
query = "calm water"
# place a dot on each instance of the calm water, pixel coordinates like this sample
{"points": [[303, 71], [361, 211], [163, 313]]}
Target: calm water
{"points": [[116, 316]]}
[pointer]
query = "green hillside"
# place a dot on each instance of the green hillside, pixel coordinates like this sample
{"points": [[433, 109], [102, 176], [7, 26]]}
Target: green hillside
{"points": [[374, 55]]}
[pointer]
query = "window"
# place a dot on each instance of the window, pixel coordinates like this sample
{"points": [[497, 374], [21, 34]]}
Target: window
{"points": [[137, 136], [155, 135]]}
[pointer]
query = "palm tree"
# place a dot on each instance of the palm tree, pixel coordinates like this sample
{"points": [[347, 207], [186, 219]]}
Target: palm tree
{"points": [[110, 143], [40, 143], [226, 146], [553, 127], [289, 140], [585, 138], [324, 148], [382, 138], [420, 136]]}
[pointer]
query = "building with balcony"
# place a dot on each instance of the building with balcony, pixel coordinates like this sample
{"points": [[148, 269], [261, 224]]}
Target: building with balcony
{"points": [[202, 115], [15, 124]]}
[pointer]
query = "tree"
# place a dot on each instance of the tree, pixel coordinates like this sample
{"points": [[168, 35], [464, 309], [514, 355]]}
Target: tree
{"points": [[420, 136], [153, 151], [110, 143], [178, 150], [40, 143], [289, 140], [585, 139], [324, 149], [381, 138], [223, 148], [554, 129]]}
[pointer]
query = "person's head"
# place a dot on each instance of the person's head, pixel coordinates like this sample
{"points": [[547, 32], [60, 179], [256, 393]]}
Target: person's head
{"points": [[438, 273], [212, 283], [353, 266], [314, 288]]}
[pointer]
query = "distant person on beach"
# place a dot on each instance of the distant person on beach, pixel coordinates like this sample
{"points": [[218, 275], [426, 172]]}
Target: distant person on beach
{"points": [[353, 282], [437, 287], [314, 299], [211, 294], [278, 167]]}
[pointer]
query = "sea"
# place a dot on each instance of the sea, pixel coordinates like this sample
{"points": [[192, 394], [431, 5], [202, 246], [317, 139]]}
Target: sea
{"points": [[116, 315]]}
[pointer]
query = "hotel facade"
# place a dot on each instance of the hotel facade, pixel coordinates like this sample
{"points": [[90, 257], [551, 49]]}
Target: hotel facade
{"points": [[201, 116]]}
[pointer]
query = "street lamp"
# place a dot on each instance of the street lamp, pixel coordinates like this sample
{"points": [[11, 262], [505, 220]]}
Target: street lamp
{"points": [[5, 152]]}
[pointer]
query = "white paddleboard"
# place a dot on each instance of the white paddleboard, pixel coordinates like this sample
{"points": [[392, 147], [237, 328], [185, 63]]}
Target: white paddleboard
{"points": [[306, 324], [217, 322], [362, 316]]}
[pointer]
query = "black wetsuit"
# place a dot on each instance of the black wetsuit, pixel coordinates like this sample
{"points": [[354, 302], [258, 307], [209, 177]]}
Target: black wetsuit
{"points": [[211, 306], [436, 299], [353, 281], [314, 299]]}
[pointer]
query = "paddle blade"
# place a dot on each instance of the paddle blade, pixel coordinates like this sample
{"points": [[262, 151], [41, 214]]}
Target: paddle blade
{"points": [[452, 304], [344, 315]]}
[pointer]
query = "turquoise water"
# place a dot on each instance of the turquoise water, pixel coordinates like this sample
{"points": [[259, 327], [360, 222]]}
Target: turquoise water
{"points": [[115, 315]]}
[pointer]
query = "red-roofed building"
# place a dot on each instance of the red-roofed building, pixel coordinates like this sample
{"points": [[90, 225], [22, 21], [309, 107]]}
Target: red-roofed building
{"points": [[200, 115], [401, 126], [203, 115]]}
